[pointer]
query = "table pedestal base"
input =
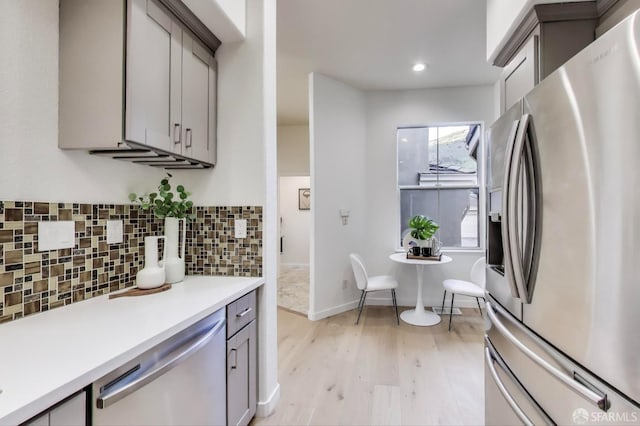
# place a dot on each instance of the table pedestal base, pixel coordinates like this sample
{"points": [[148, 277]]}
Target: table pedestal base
{"points": [[421, 318]]}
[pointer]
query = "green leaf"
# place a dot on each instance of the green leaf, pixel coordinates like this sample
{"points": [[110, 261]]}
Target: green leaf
{"points": [[183, 196], [132, 196], [180, 188], [189, 204]]}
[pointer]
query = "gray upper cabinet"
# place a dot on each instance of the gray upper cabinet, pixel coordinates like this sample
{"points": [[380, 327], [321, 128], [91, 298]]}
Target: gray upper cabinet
{"points": [[160, 108], [521, 74], [199, 79], [548, 36]]}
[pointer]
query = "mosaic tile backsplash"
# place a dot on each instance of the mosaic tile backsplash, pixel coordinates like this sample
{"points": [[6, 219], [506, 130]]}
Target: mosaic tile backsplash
{"points": [[33, 281]]}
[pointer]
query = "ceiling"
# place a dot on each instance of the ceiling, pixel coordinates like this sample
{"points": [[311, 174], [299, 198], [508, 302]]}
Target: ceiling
{"points": [[372, 44]]}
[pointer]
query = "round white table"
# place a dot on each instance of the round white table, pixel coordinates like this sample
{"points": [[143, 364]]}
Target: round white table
{"points": [[419, 316]]}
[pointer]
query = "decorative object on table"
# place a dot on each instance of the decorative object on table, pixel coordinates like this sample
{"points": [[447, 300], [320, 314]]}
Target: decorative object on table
{"points": [[153, 273], [422, 231], [135, 291], [166, 205], [437, 257], [304, 199]]}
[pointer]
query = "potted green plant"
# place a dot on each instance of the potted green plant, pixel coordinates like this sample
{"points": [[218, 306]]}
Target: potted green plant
{"points": [[423, 229], [165, 203], [173, 208]]}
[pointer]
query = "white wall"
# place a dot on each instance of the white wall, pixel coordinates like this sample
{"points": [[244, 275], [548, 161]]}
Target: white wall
{"points": [[347, 173], [386, 111], [225, 18], [503, 17], [295, 228], [293, 150], [338, 148], [268, 386], [31, 165], [33, 168], [29, 125]]}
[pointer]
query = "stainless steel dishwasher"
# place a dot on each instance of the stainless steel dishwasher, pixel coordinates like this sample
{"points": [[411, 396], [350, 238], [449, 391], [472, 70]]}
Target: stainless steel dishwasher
{"points": [[179, 382]]}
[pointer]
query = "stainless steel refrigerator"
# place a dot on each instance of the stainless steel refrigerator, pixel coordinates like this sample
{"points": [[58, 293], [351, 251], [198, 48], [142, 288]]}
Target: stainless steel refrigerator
{"points": [[563, 244]]}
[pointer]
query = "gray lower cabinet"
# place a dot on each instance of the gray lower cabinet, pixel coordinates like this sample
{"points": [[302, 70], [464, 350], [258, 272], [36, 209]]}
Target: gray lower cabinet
{"points": [[241, 360], [70, 412]]}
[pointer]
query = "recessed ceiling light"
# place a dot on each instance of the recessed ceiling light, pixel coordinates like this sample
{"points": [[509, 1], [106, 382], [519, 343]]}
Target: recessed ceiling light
{"points": [[419, 67]]}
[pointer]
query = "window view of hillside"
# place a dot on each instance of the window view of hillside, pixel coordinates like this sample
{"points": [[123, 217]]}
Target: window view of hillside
{"points": [[437, 177], [448, 151]]}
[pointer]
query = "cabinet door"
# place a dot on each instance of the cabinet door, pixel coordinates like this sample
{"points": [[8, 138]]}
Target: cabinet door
{"points": [[521, 74], [71, 413], [198, 100], [154, 64], [241, 376]]}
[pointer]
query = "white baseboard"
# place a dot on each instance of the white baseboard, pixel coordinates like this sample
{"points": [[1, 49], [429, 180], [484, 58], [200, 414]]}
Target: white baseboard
{"points": [[294, 264], [461, 302], [467, 302], [266, 408], [325, 313]]}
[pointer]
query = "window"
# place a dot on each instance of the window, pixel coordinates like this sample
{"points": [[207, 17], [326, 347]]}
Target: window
{"points": [[438, 177]]}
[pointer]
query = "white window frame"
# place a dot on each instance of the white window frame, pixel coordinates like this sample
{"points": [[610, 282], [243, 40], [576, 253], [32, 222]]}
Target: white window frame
{"points": [[481, 185]]}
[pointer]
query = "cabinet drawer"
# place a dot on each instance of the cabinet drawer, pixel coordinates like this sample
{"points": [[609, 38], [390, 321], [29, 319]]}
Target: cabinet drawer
{"points": [[240, 313]]}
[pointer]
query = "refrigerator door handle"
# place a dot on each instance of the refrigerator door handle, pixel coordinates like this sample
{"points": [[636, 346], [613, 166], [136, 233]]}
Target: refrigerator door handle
{"points": [[489, 360], [599, 400], [514, 243], [506, 218]]}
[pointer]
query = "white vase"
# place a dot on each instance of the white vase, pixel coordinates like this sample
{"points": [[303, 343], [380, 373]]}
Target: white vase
{"points": [[174, 262], [153, 273]]}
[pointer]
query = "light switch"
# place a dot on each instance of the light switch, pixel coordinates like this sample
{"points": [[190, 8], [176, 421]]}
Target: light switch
{"points": [[56, 235], [240, 226], [114, 231]]}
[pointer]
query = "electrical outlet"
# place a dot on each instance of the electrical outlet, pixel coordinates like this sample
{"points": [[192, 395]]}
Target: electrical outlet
{"points": [[56, 235], [345, 284], [114, 231], [240, 227]]}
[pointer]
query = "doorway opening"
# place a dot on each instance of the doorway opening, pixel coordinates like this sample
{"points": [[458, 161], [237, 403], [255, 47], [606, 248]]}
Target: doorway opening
{"points": [[295, 232]]}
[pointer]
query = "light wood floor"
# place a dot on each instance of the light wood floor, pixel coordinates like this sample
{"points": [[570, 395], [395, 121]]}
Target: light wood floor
{"points": [[332, 372]]}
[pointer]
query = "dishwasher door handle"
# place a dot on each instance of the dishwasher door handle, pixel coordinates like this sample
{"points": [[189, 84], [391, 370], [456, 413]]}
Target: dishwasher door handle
{"points": [[116, 393]]}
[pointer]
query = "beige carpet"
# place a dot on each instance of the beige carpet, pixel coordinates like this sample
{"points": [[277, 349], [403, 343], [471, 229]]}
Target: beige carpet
{"points": [[293, 288]]}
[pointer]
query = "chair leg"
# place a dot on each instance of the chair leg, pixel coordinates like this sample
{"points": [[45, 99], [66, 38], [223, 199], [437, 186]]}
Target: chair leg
{"points": [[451, 310], [443, 297], [364, 297], [395, 304], [479, 308]]}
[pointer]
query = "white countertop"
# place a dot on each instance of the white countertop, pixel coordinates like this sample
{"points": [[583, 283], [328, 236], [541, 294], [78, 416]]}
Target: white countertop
{"points": [[48, 356]]}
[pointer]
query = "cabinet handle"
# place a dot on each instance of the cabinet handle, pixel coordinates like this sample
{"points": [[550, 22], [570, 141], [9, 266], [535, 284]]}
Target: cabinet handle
{"points": [[243, 313], [176, 133], [235, 359], [187, 137]]}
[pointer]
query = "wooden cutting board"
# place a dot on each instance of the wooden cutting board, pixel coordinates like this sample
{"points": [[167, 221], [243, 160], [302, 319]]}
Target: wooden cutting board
{"points": [[135, 291]]}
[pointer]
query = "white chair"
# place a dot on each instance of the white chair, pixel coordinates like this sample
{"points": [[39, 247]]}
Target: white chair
{"points": [[368, 284], [473, 288]]}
